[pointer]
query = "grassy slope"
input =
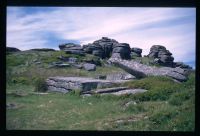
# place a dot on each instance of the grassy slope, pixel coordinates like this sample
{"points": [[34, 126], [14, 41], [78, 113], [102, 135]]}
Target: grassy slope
{"points": [[166, 106]]}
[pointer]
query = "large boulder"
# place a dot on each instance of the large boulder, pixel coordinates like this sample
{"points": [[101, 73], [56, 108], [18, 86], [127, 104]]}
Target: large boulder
{"points": [[122, 49], [119, 76], [71, 48], [12, 49], [136, 52], [89, 67], [162, 55], [66, 84], [140, 70], [68, 45]]}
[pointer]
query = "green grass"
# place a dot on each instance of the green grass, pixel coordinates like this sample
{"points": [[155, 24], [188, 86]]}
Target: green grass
{"points": [[166, 106]]}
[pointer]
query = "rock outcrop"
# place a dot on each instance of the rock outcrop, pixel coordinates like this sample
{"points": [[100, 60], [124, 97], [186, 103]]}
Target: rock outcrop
{"points": [[140, 70], [136, 52], [121, 50], [66, 84], [89, 67], [12, 49], [119, 76], [161, 55], [182, 65], [101, 48], [72, 48]]}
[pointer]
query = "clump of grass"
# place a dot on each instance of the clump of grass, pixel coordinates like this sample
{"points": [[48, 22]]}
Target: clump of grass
{"points": [[75, 92], [40, 85], [20, 80]]}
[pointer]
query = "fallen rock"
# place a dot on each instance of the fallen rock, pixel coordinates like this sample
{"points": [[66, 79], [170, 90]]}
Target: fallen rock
{"points": [[140, 70], [89, 67], [66, 84]]}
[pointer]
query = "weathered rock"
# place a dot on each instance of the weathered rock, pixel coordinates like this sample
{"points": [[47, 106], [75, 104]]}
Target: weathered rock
{"points": [[119, 76], [129, 91], [12, 49], [72, 60], [123, 50], [68, 45], [164, 56], [66, 84], [140, 70], [136, 52], [102, 48], [89, 67], [182, 65]]}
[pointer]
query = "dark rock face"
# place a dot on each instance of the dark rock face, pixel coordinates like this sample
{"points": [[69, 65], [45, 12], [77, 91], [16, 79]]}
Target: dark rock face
{"points": [[161, 53], [43, 49], [12, 49], [140, 70], [121, 49], [137, 52]]}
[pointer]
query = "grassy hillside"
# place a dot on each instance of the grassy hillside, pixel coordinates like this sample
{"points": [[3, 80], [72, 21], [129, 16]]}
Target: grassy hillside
{"points": [[167, 106]]}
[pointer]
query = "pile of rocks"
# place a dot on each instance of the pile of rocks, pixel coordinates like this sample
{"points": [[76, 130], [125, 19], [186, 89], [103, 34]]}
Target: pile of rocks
{"points": [[136, 52], [121, 50], [72, 48], [101, 48], [161, 55]]}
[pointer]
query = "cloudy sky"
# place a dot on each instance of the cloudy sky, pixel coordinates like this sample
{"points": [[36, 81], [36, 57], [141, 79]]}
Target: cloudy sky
{"points": [[45, 27]]}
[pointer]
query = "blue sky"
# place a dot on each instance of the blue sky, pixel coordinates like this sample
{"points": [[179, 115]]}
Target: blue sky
{"points": [[47, 27]]}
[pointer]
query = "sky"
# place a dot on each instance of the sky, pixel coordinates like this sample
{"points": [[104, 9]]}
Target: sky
{"points": [[47, 27]]}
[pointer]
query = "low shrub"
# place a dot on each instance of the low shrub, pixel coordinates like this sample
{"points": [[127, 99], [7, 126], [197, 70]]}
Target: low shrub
{"points": [[40, 85]]}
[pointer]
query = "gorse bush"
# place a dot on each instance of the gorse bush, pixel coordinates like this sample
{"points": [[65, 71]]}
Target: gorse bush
{"points": [[40, 85]]}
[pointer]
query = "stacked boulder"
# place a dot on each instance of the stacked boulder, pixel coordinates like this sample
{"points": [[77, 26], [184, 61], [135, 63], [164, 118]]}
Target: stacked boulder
{"points": [[72, 48], [101, 48], [122, 51], [136, 52], [161, 55]]}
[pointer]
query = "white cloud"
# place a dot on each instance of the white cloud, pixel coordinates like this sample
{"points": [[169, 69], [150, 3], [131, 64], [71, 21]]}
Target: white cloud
{"points": [[123, 24]]}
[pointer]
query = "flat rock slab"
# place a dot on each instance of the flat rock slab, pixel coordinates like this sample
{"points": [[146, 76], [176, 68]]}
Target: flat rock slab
{"points": [[140, 70], [66, 84], [129, 91]]}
